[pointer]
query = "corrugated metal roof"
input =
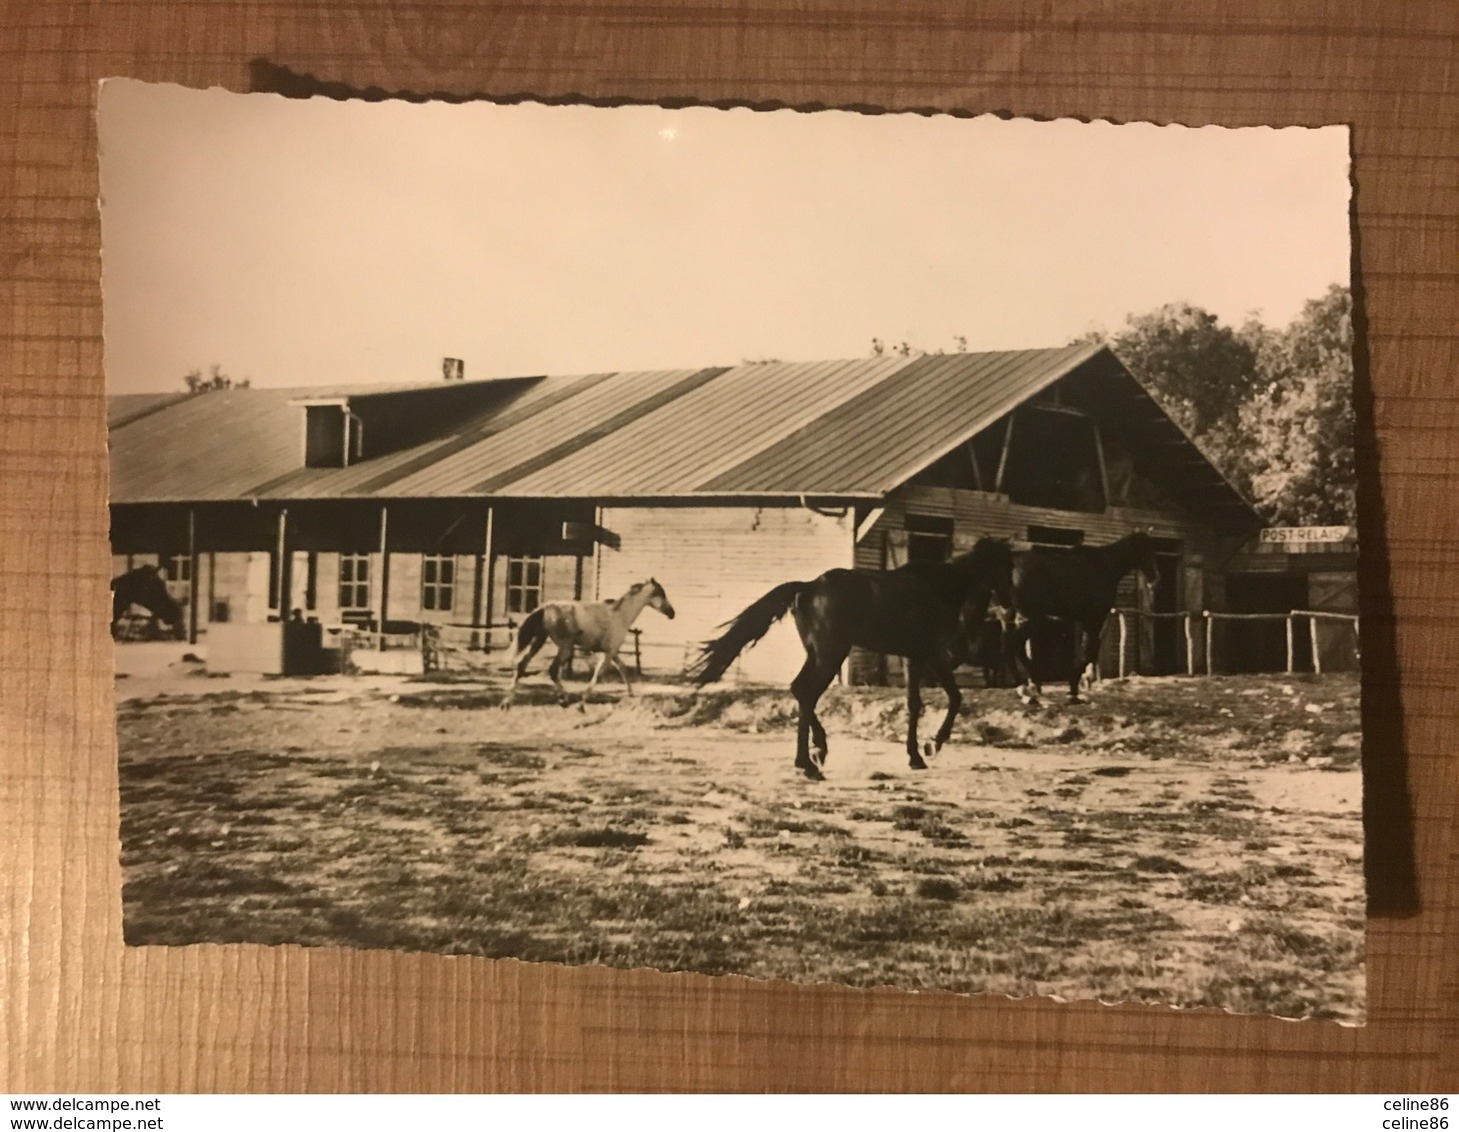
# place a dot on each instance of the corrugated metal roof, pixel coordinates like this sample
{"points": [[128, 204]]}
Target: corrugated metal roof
{"points": [[246, 443], [208, 446], [849, 429], [878, 439], [681, 446], [124, 408], [575, 415]]}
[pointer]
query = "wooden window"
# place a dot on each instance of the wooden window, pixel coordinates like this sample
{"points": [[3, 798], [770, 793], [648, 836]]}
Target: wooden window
{"points": [[179, 568], [354, 581], [438, 582], [1055, 536], [524, 583], [929, 538]]}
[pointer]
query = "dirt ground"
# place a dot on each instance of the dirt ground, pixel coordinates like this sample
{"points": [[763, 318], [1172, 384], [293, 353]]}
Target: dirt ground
{"points": [[1188, 842]]}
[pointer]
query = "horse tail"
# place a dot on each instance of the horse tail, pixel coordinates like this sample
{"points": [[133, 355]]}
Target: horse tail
{"points": [[532, 630], [743, 631]]}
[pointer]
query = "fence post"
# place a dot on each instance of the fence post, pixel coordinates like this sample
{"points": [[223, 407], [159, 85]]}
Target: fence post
{"points": [[1190, 647], [1291, 654], [1316, 656], [1210, 621], [1122, 643]]}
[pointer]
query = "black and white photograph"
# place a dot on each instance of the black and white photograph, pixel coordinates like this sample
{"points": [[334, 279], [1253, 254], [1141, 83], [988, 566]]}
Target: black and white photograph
{"points": [[891, 550]]}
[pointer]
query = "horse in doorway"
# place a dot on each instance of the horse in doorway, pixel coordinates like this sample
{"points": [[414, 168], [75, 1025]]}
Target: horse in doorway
{"points": [[594, 627], [144, 586], [1076, 585], [920, 612]]}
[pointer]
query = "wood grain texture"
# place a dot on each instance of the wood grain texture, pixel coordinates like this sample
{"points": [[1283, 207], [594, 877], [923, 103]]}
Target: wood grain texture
{"points": [[80, 1012]]}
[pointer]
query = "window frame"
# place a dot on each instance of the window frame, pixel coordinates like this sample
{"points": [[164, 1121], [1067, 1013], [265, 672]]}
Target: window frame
{"points": [[438, 592], [348, 589], [517, 591]]}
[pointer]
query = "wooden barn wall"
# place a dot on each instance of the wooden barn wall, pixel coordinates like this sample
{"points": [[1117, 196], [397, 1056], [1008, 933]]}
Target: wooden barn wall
{"points": [[80, 1012], [713, 562]]}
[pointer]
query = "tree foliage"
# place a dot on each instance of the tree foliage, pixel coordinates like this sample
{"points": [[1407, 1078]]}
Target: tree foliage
{"points": [[1199, 369], [1271, 407], [1300, 418]]}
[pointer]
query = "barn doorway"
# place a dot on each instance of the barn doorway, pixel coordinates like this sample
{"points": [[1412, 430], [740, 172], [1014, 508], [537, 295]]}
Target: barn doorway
{"points": [[1052, 643], [1168, 646], [1261, 646]]}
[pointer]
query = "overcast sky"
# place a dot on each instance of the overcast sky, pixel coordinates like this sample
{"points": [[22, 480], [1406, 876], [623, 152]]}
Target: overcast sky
{"points": [[297, 242]]}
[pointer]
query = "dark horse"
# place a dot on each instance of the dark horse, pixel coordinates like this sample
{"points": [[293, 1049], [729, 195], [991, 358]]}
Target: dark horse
{"points": [[1076, 585], [918, 612], [144, 586]]}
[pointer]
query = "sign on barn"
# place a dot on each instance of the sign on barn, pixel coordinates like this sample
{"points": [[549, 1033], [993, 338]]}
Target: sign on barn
{"points": [[1299, 535]]}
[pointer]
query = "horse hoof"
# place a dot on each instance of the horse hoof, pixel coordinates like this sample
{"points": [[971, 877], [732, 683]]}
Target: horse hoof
{"points": [[917, 763], [813, 772], [929, 750]]}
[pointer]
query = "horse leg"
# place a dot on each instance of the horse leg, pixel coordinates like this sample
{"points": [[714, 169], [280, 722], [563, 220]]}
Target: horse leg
{"points": [[1076, 677], [1088, 656], [947, 677], [914, 713], [807, 687], [832, 670], [1017, 648], [519, 669], [592, 681], [554, 670], [623, 672]]}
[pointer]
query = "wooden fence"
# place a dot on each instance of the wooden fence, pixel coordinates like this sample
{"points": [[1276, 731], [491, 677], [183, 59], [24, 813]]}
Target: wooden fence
{"points": [[476, 647], [1208, 619]]}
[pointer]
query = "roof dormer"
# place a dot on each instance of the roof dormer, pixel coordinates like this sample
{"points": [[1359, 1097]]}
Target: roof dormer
{"points": [[334, 437], [343, 429]]}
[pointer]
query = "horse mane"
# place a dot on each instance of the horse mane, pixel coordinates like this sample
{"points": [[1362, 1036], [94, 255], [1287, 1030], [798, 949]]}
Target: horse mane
{"points": [[1131, 547], [990, 557], [986, 551], [617, 602]]}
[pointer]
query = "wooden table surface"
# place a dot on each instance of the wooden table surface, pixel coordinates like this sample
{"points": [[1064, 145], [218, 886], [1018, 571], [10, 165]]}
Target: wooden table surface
{"points": [[79, 1012]]}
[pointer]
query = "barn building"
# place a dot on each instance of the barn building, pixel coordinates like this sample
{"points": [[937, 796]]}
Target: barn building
{"points": [[466, 504]]}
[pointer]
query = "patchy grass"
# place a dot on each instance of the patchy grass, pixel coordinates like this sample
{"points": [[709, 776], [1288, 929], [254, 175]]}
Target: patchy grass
{"points": [[1147, 847]]}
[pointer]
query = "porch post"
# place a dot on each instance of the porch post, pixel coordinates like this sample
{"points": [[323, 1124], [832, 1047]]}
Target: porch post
{"points": [[479, 560], [286, 586], [192, 576], [384, 575], [286, 572], [486, 583]]}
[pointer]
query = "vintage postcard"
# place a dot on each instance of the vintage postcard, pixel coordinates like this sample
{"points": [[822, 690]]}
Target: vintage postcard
{"points": [[889, 550]]}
